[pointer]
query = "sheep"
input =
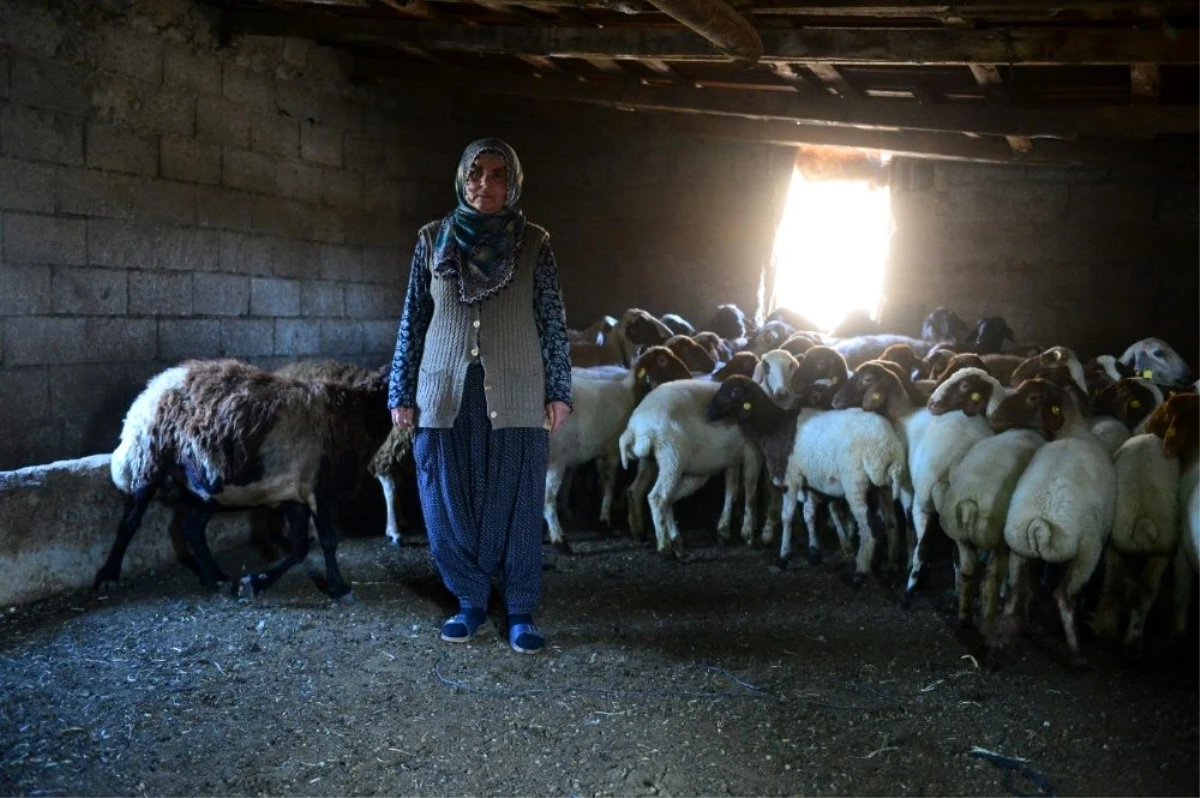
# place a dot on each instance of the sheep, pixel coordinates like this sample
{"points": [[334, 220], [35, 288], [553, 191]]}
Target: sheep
{"points": [[989, 336], [770, 336], [840, 454], [1154, 359], [670, 426], [394, 455], [795, 320], [233, 436], [774, 373], [856, 323], [714, 345], [1061, 509], [1102, 371], [695, 357], [943, 324], [594, 333], [1120, 408], [744, 363], [798, 343], [678, 324], [1054, 356], [860, 349], [729, 322], [902, 354]]}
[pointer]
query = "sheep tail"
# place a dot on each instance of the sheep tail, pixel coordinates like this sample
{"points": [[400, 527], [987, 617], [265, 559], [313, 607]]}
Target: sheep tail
{"points": [[634, 447], [1046, 541], [966, 515], [1145, 534]]}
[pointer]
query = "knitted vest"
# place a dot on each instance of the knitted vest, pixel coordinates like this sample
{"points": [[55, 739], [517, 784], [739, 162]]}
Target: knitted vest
{"points": [[500, 331]]}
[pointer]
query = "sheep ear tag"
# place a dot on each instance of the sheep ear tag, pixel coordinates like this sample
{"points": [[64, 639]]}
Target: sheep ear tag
{"points": [[976, 396], [747, 405], [1147, 374], [1134, 404], [1055, 410], [875, 397], [641, 373]]}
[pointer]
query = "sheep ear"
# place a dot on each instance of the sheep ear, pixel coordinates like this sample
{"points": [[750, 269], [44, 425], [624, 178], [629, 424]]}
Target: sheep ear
{"points": [[1173, 439], [873, 400]]}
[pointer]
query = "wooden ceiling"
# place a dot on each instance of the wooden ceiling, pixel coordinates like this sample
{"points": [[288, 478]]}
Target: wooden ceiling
{"points": [[1011, 81]]}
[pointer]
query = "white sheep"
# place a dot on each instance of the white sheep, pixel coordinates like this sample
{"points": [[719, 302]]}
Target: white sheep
{"points": [[1154, 359]]}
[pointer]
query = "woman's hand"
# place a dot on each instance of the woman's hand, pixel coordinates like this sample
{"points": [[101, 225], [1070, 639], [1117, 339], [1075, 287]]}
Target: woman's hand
{"points": [[402, 417], [556, 414]]}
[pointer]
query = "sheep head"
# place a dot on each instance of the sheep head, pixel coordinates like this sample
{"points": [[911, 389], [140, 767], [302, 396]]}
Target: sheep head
{"points": [[1154, 359], [654, 367], [903, 355], [1127, 400], [694, 356], [797, 344], [1036, 404], [743, 363], [870, 387], [944, 324], [1177, 422], [774, 373], [963, 360], [818, 363], [968, 390]]}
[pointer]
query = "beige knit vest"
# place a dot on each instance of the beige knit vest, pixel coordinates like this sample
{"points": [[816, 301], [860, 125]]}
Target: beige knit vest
{"points": [[500, 331]]}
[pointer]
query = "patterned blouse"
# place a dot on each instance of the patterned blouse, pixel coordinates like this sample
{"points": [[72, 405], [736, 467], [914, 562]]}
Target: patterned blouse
{"points": [[418, 311]]}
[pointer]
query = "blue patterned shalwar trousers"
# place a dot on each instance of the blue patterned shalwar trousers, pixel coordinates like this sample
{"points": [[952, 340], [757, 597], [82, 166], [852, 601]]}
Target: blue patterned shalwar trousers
{"points": [[481, 492]]}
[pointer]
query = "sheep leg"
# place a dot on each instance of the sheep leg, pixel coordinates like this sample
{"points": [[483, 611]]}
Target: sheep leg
{"points": [[194, 526], [725, 522], [388, 486], [811, 504], [662, 504], [968, 582], [1016, 607], [608, 474], [994, 576], [554, 480], [887, 510], [335, 583], [1078, 573], [297, 515], [1106, 621], [774, 514], [839, 516], [751, 469], [857, 498], [791, 497], [635, 497], [1147, 591], [135, 509], [1183, 591], [921, 516]]}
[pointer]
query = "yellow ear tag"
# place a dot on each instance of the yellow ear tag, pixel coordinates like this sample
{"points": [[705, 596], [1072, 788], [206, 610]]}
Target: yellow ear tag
{"points": [[875, 397], [1147, 374], [1055, 410], [747, 406], [976, 396], [1134, 404], [641, 373]]}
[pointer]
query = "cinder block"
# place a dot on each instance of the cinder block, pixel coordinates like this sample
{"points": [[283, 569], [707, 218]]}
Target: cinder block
{"points": [[245, 86], [379, 339], [26, 186], [375, 229], [298, 101], [4, 74], [339, 114], [320, 298], [89, 292], [25, 393], [382, 194], [121, 244], [324, 224], [190, 161], [89, 192], [270, 296], [245, 254], [300, 181], [50, 85], [276, 135], [35, 135], [341, 338], [341, 263], [224, 208], [299, 260], [127, 52], [164, 201], [44, 239], [120, 340], [249, 171], [189, 250], [220, 294], [1112, 203], [248, 337], [160, 294], [320, 144], [84, 390], [342, 188], [43, 340], [297, 338], [386, 265], [1177, 205], [282, 217], [219, 121], [191, 72], [365, 155], [166, 111], [181, 339], [24, 290], [121, 150], [27, 445], [401, 163], [371, 301]]}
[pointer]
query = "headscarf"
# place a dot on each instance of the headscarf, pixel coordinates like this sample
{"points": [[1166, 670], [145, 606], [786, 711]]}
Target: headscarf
{"points": [[480, 249]]}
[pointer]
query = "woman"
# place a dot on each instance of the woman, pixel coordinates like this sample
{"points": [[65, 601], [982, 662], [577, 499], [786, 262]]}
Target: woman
{"points": [[482, 369]]}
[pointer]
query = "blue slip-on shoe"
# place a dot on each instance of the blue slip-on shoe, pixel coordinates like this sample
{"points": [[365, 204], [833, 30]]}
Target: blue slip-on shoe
{"points": [[462, 627], [525, 638]]}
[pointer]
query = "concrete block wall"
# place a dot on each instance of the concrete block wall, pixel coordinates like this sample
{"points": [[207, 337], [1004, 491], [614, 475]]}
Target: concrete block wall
{"points": [[162, 197], [1091, 258]]}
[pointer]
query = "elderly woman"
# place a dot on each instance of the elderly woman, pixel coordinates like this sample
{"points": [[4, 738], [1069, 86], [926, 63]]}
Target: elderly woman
{"points": [[482, 370]]}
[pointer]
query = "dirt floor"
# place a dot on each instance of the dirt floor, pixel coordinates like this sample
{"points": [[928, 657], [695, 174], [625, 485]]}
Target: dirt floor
{"points": [[720, 676]]}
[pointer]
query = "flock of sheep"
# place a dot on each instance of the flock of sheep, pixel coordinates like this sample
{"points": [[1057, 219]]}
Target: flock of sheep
{"points": [[1019, 454]]}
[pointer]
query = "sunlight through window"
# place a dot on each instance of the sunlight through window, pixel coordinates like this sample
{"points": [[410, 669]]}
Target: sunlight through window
{"points": [[831, 248]]}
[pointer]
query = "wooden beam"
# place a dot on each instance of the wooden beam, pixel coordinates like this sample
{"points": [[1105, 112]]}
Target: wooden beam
{"points": [[832, 77], [988, 76], [1145, 82], [795, 78], [1026, 46], [1017, 9], [1106, 121]]}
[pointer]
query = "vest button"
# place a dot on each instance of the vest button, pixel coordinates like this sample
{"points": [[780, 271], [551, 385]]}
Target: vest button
{"points": [[487, 387], [475, 324], [493, 414], [474, 353]]}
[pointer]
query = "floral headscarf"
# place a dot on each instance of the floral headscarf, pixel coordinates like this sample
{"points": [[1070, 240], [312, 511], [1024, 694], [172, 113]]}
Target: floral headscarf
{"points": [[480, 249]]}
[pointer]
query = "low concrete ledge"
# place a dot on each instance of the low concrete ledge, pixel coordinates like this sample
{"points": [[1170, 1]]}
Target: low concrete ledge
{"points": [[58, 522]]}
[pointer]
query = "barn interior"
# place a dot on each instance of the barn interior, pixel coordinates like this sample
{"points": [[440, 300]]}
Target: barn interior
{"points": [[245, 179]]}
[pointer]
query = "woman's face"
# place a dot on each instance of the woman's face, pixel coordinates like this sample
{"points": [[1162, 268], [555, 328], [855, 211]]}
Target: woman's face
{"points": [[487, 183]]}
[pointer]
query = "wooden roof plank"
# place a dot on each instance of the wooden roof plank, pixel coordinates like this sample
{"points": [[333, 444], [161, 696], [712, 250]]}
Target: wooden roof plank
{"points": [[1027, 46]]}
